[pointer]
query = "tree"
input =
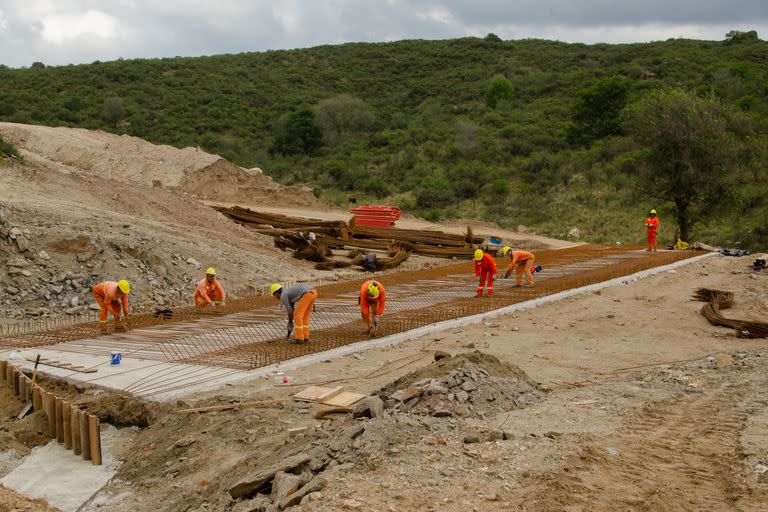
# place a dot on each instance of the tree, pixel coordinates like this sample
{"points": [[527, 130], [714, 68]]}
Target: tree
{"points": [[468, 139], [691, 146], [114, 110], [298, 134], [597, 113], [492, 37], [499, 89], [343, 117], [737, 36]]}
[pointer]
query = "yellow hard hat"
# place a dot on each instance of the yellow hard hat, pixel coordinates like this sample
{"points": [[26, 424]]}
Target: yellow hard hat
{"points": [[124, 286], [478, 254], [505, 250], [653, 211], [210, 272], [373, 291], [275, 288]]}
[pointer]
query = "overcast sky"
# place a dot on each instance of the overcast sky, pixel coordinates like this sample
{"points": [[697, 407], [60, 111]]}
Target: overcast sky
{"points": [[81, 31]]}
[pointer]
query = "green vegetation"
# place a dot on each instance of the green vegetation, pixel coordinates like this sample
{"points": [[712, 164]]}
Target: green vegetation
{"points": [[520, 132], [7, 149]]}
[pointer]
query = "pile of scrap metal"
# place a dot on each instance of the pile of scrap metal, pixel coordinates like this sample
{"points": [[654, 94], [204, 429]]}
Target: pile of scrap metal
{"points": [[719, 299], [314, 240]]}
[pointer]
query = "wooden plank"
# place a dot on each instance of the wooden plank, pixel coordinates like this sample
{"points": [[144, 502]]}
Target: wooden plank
{"points": [[51, 415], [66, 366], [330, 394], [58, 402], [23, 387], [75, 429], [37, 400], [344, 399], [3, 368], [15, 381], [94, 434], [311, 393], [67, 415], [85, 438]]}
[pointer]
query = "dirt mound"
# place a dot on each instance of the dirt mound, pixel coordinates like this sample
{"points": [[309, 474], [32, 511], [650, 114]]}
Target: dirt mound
{"points": [[472, 384], [133, 160]]}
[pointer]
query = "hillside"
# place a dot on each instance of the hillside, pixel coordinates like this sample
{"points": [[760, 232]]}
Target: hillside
{"points": [[420, 129]]}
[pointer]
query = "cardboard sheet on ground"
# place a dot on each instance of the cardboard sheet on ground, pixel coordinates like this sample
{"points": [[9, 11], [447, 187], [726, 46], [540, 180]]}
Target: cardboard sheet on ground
{"points": [[328, 396]]}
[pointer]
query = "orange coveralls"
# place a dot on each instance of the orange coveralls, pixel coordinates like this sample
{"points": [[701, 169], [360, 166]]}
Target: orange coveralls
{"points": [[521, 262], [371, 307], [206, 292], [652, 224], [110, 300], [485, 269]]}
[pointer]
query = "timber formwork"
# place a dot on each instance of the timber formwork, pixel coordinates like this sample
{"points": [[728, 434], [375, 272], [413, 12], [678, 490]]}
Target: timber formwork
{"points": [[250, 332]]}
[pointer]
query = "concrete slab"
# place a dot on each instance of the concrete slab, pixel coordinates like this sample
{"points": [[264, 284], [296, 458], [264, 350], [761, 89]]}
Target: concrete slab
{"points": [[63, 478]]}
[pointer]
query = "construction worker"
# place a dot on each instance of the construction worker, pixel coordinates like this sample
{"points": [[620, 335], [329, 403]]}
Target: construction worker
{"points": [[652, 226], [522, 263], [372, 299], [208, 291], [299, 301], [112, 297], [485, 268]]}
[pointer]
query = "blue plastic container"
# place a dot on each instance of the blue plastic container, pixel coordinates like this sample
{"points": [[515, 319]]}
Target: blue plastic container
{"points": [[116, 358]]}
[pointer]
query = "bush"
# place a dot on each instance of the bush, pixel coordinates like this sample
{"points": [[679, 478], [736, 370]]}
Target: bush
{"points": [[8, 149]]}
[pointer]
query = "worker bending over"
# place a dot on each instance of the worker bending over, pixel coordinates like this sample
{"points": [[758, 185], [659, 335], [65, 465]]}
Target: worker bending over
{"points": [[521, 262], [208, 291], [652, 226], [485, 268], [112, 297], [372, 299], [299, 301]]}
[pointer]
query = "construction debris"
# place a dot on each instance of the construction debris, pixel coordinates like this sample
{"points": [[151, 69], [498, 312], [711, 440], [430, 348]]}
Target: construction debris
{"points": [[717, 300]]}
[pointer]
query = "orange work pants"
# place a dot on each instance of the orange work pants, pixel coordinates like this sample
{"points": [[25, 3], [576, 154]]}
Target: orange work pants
{"points": [[651, 240], [483, 277], [200, 302], [301, 315], [368, 310], [524, 267]]}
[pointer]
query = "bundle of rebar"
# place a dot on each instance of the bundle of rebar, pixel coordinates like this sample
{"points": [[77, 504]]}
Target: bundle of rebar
{"points": [[719, 299]]}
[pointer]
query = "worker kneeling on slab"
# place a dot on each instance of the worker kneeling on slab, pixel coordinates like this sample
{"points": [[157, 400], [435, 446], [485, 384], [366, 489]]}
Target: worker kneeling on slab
{"points": [[112, 297], [208, 291], [372, 298], [522, 262], [485, 268], [299, 302]]}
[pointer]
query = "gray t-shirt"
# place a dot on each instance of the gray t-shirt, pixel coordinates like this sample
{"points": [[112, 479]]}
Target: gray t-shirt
{"points": [[291, 296]]}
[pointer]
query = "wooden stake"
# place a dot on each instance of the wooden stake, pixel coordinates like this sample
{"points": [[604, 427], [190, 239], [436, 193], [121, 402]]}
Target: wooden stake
{"points": [[85, 438], [75, 430], [59, 420], [23, 387], [3, 368], [15, 381], [51, 415], [66, 412], [95, 435], [37, 399]]}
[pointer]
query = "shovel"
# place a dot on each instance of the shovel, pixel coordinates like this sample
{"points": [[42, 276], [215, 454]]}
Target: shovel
{"points": [[28, 407]]}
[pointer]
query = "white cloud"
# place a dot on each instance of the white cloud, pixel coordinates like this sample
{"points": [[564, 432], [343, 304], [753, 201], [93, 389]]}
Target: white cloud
{"points": [[62, 27], [3, 21]]}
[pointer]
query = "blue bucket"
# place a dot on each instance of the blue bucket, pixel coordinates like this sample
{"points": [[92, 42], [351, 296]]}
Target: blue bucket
{"points": [[495, 240], [116, 358]]}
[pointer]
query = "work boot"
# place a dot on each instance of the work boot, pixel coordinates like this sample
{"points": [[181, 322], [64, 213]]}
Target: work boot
{"points": [[516, 285]]}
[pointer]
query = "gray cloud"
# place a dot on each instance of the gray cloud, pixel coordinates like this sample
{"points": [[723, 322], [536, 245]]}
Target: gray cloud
{"points": [[77, 31]]}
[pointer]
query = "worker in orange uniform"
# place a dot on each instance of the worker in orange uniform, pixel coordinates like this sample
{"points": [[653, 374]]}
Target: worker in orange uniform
{"points": [[652, 226], [208, 291], [372, 299], [485, 269], [521, 262], [112, 297], [299, 302]]}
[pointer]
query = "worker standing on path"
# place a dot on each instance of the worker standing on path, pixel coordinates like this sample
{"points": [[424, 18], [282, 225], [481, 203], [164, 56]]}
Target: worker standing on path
{"points": [[521, 262], [208, 291], [112, 297], [652, 225], [372, 299], [299, 302], [485, 269]]}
